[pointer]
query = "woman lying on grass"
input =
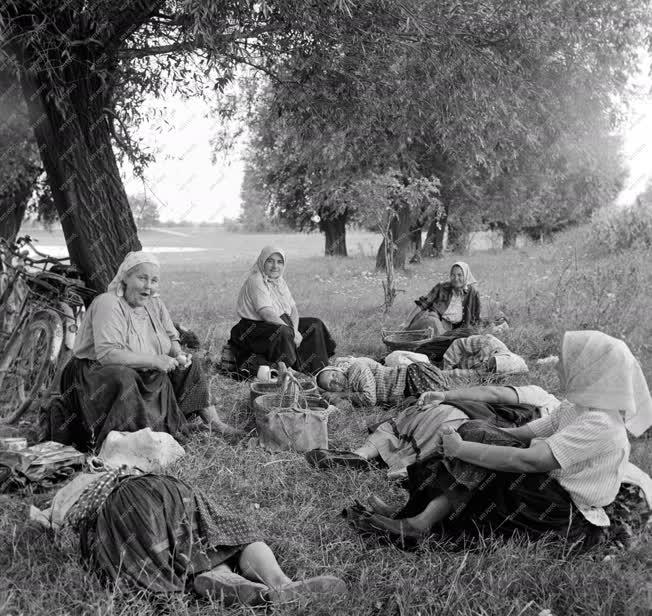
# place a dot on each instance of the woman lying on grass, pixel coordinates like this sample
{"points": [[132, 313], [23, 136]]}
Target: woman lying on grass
{"points": [[156, 533], [552, 475], [416, 431], [270, 329], [365, 382], [449, 305], [128, 371]]}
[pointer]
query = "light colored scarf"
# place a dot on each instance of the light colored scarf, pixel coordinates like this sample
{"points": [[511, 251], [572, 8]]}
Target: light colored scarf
{"points": [[132, 260], [278, 288], [600, 372], [469, 279]]}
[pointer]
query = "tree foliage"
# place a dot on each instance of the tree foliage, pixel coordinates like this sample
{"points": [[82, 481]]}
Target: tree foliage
{"points": [[144, 210], [85, 68], [496, 100]]}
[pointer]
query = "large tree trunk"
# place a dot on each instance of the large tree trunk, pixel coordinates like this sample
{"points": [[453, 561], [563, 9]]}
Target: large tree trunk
{"points": [[402, 236], [509, 236], [74, 139], [434, 244], [415, 238], [334, 230]]}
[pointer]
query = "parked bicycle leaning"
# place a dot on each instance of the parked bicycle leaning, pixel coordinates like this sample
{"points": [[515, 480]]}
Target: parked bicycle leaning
{"points": [[41, 306]]}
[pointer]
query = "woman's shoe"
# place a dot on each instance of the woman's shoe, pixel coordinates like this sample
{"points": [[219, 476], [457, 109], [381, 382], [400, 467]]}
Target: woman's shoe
{"points": [[324, 585], [330, 458], [230, 588]]}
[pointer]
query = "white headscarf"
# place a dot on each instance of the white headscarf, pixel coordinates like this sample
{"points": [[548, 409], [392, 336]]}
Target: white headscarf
{"points": [[130, 261], [601, 372], [469, 279], [259, 265]]}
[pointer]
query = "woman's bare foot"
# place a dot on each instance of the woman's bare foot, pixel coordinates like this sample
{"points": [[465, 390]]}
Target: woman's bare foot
{"points": [[379, 506], [212, 420]]}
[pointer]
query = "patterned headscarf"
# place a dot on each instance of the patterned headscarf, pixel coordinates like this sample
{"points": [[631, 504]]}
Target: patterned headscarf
{"points": [[92, 499], [469, 279], [130, 261], [601, 372]]}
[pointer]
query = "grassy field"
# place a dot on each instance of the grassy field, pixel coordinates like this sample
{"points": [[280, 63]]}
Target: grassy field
{"points": [[543, 290]]}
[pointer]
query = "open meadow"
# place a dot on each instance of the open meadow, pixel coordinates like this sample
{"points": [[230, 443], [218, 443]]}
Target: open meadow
{"points": [[543, 290]]}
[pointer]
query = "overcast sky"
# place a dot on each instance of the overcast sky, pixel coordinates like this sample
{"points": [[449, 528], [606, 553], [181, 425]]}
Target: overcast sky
{"points": [[187, 186]]}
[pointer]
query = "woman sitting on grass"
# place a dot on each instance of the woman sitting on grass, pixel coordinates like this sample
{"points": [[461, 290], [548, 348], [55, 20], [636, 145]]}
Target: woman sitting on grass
{"points": [[270, 329], [128, 371], [156, 533], [449, 305], [552, 475]]}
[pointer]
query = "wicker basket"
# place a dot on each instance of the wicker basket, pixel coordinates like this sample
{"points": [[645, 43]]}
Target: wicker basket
{"points": [[259, 388], [402, 340]]}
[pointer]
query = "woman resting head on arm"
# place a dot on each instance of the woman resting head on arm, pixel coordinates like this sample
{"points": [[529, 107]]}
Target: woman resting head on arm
{"points": [[128, 371], [557, 474], [449, 305], [270, 329]]}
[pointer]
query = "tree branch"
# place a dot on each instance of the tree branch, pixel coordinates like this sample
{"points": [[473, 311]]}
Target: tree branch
{"points": [[197, 43]]}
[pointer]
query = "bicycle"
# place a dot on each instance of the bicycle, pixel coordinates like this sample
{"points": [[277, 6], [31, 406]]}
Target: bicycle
{"points": [[41, 305]]}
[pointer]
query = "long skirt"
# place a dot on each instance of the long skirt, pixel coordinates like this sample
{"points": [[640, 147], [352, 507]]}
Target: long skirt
{"points": [[259, 342], [96, 399], [415, 433], [429, 318], [494, 501], [155, 532]]}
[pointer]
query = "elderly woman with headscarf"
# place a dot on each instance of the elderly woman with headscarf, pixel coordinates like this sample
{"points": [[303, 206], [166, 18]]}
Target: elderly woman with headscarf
{"points": [[449, 305], [552, 475], [160, 535], [270, 329], [128, 370]]}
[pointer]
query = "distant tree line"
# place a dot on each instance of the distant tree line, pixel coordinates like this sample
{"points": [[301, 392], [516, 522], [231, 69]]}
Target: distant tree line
{"points": [[509, 109]]}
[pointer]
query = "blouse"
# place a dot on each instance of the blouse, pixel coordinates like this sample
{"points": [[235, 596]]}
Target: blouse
{"points": [[112, 324], [455, 311], [592, 450], [256, 294], [376, 383]]}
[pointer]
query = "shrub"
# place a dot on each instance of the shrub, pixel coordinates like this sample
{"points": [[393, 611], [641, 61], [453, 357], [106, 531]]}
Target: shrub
{"points": [[618, 229]]}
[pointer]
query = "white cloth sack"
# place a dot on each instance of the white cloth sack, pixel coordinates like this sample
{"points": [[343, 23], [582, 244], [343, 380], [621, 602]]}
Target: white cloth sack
{"points": [[510, 363], [405, 358], [145, 450]]}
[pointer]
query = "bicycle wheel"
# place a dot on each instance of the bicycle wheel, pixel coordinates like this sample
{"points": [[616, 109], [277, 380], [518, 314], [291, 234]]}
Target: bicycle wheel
{"points": [[34, 363]]}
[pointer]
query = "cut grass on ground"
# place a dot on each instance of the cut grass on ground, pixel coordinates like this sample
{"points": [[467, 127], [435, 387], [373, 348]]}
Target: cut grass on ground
{"points": [[543, 291]]}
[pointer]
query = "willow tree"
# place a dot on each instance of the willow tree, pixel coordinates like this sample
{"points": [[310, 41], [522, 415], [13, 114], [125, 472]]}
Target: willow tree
{"points": [[85, 68], [459, 92]]}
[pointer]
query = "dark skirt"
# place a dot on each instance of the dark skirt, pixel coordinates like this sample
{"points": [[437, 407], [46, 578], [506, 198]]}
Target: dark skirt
{"points": [[492, 501], [154, 532], [257, 343], [96, 399]]}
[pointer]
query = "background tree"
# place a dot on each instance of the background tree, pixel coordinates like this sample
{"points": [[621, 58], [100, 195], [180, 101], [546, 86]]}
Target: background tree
{"points": [[382, 201], [474, 94], [19, 160], [87, 66], [144, 210]]}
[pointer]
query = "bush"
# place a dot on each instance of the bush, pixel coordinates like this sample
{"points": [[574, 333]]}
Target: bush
{"points": [[619, 229]]}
